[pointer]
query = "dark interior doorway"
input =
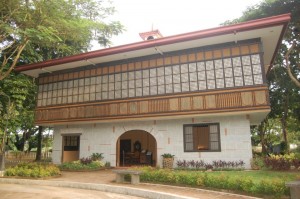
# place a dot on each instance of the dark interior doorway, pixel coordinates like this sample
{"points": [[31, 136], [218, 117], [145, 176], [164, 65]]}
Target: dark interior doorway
{"points": [[125, 147], [136, 147]]}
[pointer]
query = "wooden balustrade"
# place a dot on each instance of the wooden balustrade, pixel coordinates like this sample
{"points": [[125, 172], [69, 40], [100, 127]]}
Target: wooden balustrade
{"points": [[182, 104]]}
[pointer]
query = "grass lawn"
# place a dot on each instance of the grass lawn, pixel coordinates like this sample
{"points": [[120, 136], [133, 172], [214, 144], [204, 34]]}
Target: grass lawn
{"points": [[259, 175]]}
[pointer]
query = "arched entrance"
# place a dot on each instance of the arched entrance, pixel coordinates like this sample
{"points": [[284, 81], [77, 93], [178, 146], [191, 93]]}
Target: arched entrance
{"points": [[136, 147]]}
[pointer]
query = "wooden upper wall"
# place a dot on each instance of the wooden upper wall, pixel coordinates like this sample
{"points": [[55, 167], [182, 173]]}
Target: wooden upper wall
{"points": [[223, 78], [195, 55]]}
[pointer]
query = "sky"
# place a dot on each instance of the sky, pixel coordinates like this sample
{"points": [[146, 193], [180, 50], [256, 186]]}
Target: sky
{"points": [[172, 17]]}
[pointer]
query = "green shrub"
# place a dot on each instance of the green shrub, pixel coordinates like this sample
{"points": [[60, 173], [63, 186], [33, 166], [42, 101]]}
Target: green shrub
{"points": [[220, 180], [275, 187], [34, 170], [86, 161], [107, 164], [97, 156], [78, 165], [257, 163]]}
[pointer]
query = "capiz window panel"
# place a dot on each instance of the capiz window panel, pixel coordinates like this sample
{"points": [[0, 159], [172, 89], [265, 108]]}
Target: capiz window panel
{"points": [[201, 75]]}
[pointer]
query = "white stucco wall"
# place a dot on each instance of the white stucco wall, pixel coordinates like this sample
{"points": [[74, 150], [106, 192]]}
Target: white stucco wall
{"points": [[102, 138]]}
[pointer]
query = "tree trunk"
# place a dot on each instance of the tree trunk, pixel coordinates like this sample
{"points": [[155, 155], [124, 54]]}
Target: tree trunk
{"points": [[24, 140], [291, 75], [2, 151], [262, 137], [284, 118], [39, 145], [2, 161]]}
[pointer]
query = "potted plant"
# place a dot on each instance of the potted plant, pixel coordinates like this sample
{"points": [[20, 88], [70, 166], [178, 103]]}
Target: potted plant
{"points": [[168, 160]]}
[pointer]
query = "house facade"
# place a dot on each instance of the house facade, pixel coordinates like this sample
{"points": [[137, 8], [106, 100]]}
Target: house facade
{"points": [[193, 95]]}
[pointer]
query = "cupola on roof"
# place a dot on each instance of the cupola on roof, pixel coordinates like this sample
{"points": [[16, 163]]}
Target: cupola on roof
{"points": [[153, 34]]}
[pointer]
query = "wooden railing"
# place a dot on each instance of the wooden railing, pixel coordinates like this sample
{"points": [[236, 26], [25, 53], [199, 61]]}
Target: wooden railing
{"points": [[182, 104]]}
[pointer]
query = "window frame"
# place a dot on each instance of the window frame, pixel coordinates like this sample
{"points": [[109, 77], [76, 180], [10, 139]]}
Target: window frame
{"points": [[71, 142], [202, 125]]}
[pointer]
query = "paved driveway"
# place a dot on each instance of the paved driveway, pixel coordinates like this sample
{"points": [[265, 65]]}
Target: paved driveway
{"points": [[103, 180], [12, 191]]}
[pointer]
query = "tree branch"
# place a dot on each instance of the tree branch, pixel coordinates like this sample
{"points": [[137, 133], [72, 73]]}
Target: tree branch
{"points": [[293, 78], [15, 60]]}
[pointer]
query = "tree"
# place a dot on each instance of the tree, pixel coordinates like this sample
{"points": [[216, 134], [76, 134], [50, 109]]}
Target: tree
{"points": [[284, 94], [17, 105], [38, 30], [60, 27], [269, 8]]}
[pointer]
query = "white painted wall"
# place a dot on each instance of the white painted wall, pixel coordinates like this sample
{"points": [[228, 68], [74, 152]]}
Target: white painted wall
{"points": [[102, 138]]}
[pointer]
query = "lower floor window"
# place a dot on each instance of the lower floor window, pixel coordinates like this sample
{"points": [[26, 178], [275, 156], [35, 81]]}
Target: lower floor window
{"points": [[71, 143], [201, 137]]}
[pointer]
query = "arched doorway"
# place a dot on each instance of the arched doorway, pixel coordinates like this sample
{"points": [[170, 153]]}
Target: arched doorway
{"points": [[136, 147]]}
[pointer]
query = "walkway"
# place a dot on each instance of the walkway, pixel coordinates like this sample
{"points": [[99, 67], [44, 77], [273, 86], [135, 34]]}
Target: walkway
{"points": [[104, 181], [20, 191]]}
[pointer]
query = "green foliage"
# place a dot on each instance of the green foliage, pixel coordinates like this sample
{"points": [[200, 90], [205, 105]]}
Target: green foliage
{"points": [[97, 156], [33, 31], [284, 94], [78, 165], [86, 161], [276, 162], [107, 164], [282, 162], [89, 163], [220, 165], [258, 163], [34, 170], [18, 108], [251, 182], [167, 155]]}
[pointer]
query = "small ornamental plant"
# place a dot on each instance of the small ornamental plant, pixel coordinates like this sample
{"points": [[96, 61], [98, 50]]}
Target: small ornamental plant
{"points": [[167, 155], [216, 165], [168, 160], [97, 156]]}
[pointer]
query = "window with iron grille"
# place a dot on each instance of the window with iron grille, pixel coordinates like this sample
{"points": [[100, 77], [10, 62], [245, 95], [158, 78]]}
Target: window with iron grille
{"points": [[71, 143]]}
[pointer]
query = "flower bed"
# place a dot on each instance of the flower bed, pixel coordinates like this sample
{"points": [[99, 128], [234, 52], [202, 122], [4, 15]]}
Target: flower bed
{"points": [[91, 163], [215, 165], [277, 162], [258, 183], [33, 170], [79, 166]]}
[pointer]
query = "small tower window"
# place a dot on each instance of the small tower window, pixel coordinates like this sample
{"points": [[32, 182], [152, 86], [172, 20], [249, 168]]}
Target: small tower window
{"points": [[150, 37]]}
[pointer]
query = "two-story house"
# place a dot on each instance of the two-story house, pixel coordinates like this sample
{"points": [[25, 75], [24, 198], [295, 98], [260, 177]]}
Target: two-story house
{"points": [[193, 95]]}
